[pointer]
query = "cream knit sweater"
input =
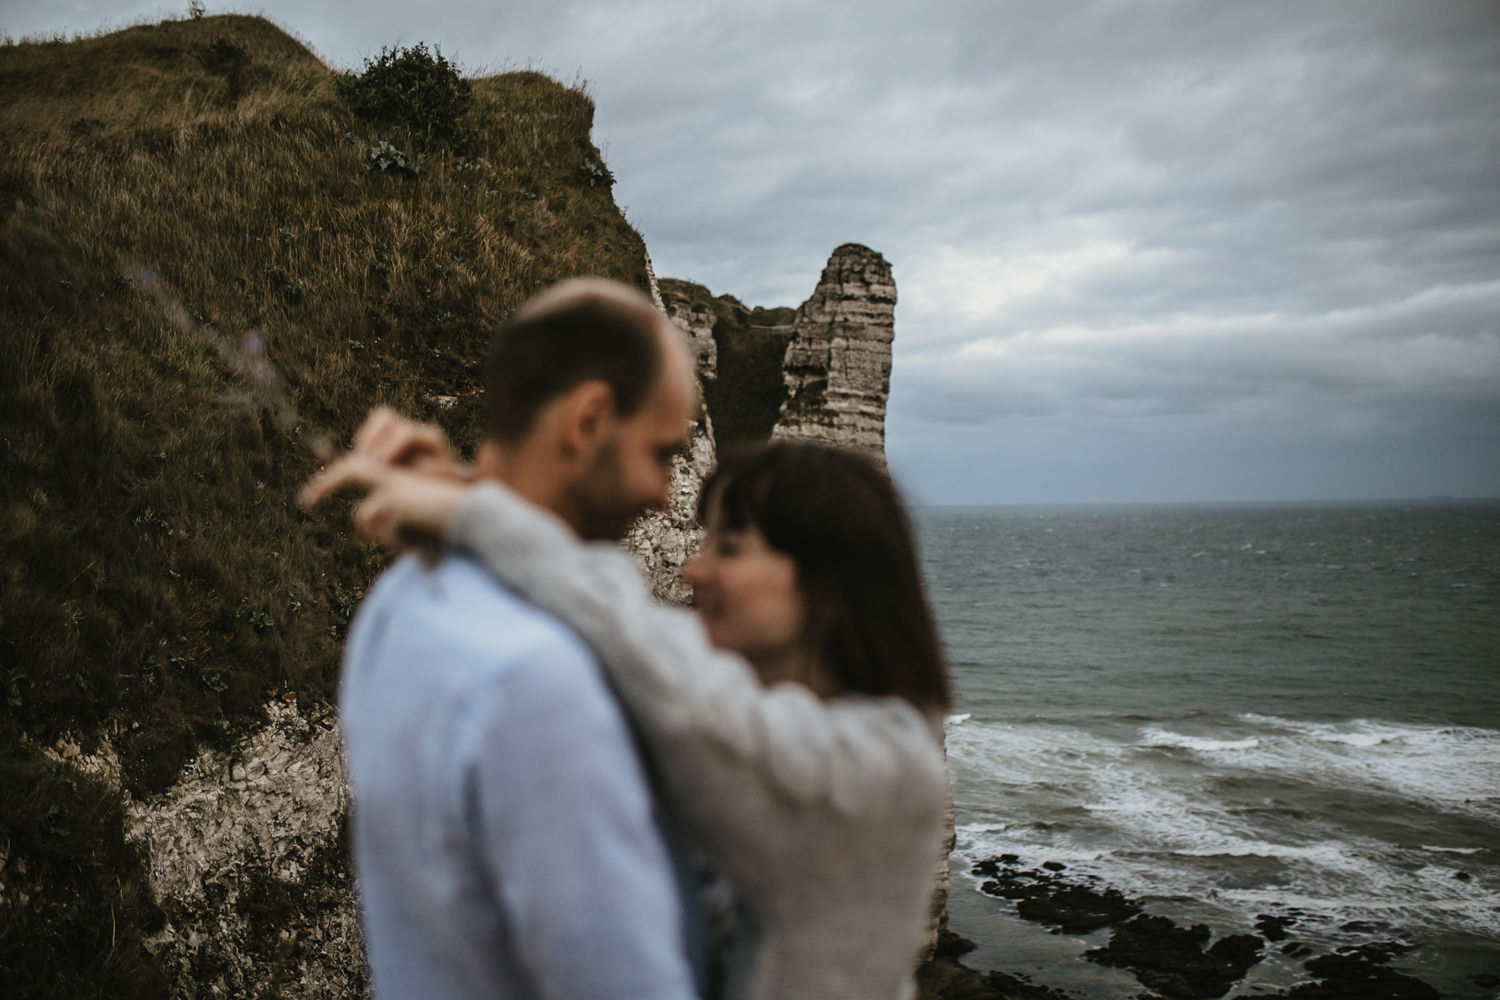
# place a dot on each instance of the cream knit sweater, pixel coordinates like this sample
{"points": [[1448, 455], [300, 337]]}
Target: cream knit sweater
{"points": [[825, 816]]}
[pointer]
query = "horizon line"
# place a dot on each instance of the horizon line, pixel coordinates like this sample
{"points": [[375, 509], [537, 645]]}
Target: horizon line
{"points": [[1436, 498]]}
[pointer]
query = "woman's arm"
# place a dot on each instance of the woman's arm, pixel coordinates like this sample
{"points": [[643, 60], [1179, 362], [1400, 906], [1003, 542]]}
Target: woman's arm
{"points": [[702, 710], [715, 731]]}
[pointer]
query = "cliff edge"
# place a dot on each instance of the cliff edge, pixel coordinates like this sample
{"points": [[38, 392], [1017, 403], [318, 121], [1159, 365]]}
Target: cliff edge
{"points": [[209, 265]]}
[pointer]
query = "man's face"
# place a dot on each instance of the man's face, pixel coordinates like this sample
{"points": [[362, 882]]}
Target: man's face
{"points": [[631, 470]]}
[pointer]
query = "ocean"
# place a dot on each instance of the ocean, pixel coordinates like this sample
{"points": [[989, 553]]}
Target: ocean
{"points": [[1228, 711]]}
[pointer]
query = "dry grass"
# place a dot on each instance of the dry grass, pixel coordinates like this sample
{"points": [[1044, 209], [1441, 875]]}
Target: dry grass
{"points": [[200, 278]]}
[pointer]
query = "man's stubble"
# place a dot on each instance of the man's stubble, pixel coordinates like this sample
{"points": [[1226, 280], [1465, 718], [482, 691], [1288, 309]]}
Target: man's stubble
{"points": [[602, 511]]}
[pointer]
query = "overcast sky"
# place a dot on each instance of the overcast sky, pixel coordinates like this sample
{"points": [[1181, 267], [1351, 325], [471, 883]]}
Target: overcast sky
{"points": [[1144, 251]]}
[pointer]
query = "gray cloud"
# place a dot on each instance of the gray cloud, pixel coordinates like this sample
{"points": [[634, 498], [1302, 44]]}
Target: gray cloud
{"points": [[1204, 250]]}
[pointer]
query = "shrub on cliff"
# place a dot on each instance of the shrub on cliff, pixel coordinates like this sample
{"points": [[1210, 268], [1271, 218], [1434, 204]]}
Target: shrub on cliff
{"points": [[412, 89], [746, 398]]}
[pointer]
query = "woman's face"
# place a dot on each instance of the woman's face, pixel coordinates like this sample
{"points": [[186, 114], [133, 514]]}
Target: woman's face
{"points": [[748, 596]]}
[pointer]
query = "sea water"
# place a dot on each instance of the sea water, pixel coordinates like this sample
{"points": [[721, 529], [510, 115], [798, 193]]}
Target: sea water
{"points": [[1230, 711]]}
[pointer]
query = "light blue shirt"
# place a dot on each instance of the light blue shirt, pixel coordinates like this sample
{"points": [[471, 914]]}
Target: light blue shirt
{"points": [[504, 839]]}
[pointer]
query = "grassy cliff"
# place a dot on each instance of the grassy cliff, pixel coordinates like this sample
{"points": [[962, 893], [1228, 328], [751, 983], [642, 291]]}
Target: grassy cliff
{"points": [[201, 277]]}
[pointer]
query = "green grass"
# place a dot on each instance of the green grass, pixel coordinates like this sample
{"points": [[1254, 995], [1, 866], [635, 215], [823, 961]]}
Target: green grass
{"points": [[199, 280], [744, 400]]}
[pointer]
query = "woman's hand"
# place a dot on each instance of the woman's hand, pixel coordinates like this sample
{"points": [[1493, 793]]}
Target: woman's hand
{"points": [[414, 481], [386, 436], [403, 508]]}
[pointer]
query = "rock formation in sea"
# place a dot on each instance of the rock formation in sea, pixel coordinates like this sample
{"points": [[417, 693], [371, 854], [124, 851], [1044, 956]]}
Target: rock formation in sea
{"points": [[836, 371], [838, 364], [1192, 962]]}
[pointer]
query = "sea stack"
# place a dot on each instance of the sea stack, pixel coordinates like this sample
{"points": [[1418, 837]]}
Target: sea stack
{"points": [[838, 364]]}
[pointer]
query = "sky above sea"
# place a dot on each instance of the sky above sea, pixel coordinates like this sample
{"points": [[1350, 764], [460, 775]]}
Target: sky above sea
{"points": [[1169, 251]]}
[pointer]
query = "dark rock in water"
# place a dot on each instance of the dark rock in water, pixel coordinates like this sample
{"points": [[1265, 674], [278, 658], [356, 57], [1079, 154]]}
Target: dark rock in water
{"points": [[971, 985], [1073, 905], [1463, 876], [1076, 909], [1173, 961], [993, 866], [1379, 952], [1360, 974], [944, 977], [951, 945], [1486, 980], [989, 866], [1273, 928]]}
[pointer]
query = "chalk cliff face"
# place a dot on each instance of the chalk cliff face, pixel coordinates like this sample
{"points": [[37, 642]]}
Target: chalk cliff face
{"points": [[836, 371], [695, 317], [663, 540], [245, 858], [838, 364]]}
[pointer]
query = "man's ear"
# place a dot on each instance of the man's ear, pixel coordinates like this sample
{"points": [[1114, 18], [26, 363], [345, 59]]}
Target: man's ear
{"points": [[587, 414]]}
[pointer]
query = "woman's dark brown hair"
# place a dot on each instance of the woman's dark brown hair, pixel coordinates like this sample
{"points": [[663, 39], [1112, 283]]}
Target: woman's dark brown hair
{"points": [[837, 516]]}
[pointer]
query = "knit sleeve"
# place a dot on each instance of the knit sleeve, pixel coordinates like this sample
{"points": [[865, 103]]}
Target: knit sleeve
{"points": [[711, 725]]}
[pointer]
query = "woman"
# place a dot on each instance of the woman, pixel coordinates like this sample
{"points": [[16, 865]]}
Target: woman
{"points": [[793, 721]]}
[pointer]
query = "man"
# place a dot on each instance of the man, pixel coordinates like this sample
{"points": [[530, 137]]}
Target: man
{"points": [[503, 832]]}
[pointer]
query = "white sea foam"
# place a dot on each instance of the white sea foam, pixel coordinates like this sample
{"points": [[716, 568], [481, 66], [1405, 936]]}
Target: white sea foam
{"points": [[1340, 881], [1156, 827], [1335, 907], [1103, 790], [959, 719], [1026, 754], [1360, 739], [976, 829], [1155, 736], [1330, 854], [1453, 768]]}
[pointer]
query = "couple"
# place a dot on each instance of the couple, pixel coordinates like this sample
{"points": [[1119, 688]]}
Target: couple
{"points": [[540, 755]]}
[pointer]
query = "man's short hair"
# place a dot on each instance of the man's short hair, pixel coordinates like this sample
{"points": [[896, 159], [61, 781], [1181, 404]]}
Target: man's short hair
{"points": [[579, 330]]}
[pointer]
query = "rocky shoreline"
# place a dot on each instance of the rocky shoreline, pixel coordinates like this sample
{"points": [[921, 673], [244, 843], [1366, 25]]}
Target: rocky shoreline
{"points": [[1171, 962]]}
